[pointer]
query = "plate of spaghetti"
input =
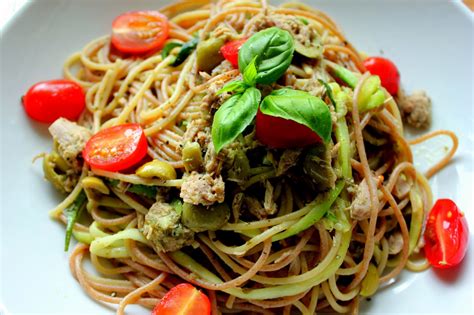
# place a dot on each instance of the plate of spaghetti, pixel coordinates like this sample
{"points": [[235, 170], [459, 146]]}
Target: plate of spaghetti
{"points": [[220, 157]]}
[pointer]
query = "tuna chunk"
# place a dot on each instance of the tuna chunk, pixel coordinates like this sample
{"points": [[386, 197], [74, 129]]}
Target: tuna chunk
{"points": [[416, 109], [164, 230], [360, 208], [71, 139], [202, 189], [395, 243]]}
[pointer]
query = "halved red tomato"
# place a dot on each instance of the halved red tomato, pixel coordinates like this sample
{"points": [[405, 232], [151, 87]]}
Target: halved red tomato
{"points": [[139, 31], [446, 235], [116, 148], [276, 132], [230, 51], [183, 299]]}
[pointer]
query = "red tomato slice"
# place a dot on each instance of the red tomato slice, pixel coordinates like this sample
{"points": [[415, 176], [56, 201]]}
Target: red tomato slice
{"points": [[47, 101], [446, 235], [230, 51], [116, 148], [276, 132], [139, 31], [183, 299], [386, 70]]}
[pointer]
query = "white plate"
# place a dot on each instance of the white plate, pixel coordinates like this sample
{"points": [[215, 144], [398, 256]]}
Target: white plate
{"points": [[430, 41]]}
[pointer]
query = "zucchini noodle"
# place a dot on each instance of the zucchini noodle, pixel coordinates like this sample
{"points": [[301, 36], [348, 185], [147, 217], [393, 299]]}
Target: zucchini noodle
{"points": [[289, 246]]}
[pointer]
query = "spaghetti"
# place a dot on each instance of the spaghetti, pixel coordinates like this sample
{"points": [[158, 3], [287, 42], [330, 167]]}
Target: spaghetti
{"points": [[306, 251]]}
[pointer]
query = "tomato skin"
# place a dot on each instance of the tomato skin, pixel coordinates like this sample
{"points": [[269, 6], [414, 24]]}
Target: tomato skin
{"points": [[138, 32], [47, 101], [279, 133], [230, 51], [446, 235], [183, 299], [386, 70], [116, 148]]}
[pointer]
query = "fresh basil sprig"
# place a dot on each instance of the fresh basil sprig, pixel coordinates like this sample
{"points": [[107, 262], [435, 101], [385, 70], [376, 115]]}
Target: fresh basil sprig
{"points": [[273, 49], [263, 59], [249, 74], [234, 116], [301, 107]]}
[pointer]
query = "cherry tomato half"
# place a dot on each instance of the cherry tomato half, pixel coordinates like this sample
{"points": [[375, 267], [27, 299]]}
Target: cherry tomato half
{"points": [[230, 51], [276, 132], [183, 299], [116, 148], [446, 235], [47, 101], [386, 70], [139, 31]]}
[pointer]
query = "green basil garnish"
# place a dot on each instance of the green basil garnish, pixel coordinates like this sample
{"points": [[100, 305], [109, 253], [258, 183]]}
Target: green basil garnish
{"points": [[143, 190], [234, 116], [250, 75], [168, 48], [233, 86], [301, 107], [72, 213], [328, 91], [185, 51], [273, 49]]}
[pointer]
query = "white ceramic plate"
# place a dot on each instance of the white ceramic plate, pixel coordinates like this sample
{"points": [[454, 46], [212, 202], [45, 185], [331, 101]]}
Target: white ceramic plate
{"points": [[430, 41]]}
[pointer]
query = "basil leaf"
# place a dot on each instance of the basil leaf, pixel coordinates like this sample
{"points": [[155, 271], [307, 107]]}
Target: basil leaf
{"points": [[233, 86], [185, 51], [250, 73], [234, 116], [168, 48], [273, 48], [301, 107], [72, 213]]}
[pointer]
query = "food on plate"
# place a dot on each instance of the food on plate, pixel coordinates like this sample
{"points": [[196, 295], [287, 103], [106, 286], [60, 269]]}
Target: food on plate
{"points": [[240, 157]]}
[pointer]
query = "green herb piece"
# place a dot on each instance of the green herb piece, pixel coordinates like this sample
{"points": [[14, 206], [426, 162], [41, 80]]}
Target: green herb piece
{"points": [[234, 116], [143, 190], [328, 91], [273, 48], [233, 86], [72, 213], [301, 107], [113, 182], [250, 73], [304, 21], [177, 204], [168, 48], [185, 51]]}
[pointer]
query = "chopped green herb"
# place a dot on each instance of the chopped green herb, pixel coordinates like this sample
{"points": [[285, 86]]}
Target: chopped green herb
{"points": [[185, 51], [304, 21], [328, 91], [143, 190], [168, 48], [72, 213]]}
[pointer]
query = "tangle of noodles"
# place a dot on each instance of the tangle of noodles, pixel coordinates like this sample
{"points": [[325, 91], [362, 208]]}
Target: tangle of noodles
{"points": [[251, 264]]}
